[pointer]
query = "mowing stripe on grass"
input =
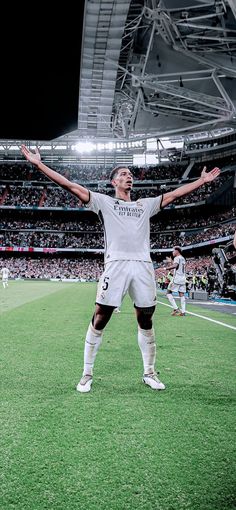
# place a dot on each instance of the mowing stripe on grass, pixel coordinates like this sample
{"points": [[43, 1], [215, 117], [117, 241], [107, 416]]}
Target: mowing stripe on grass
{"points": [[21, 292], [202, 317]]}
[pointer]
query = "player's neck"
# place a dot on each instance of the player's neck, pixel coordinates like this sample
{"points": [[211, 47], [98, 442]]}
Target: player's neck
{"points": [[123, 195]]}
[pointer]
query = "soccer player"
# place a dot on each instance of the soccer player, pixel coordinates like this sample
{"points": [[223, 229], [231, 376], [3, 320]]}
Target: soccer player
{"points": [[5, 275], [128, 265], [178, 283]]}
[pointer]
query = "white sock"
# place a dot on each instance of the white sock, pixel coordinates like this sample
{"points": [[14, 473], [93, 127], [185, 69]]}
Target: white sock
{"points": [[146, 341], [92, 343], [172, 301], [183, 304]]}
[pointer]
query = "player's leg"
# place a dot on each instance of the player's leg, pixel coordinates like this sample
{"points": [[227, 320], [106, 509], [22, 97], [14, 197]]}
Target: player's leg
{"points": [[147, 345], [112, 287], [143, 292], [183, 303], [93, 341], [169, 295], [146, 338], [94, 335]]}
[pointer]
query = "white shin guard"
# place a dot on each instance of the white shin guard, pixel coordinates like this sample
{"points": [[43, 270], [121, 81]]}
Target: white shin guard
{"points": [[146, 341], [172, 301], [183, 304], [92, 343]]}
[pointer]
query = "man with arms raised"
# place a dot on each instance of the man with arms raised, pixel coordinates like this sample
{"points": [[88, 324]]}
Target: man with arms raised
{"points": [[128, 266]]}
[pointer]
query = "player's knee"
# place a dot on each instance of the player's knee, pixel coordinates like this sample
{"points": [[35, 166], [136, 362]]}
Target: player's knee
{"points": [[145, 322], [101, 316], [144, 317]]}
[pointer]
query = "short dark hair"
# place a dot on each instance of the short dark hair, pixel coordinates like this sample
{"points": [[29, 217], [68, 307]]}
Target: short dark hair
{"points": [[115, 171], [179, 249]]}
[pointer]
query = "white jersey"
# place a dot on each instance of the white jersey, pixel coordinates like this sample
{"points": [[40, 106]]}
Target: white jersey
{"points": [[5, 273], [179, 276], [126, 225]]}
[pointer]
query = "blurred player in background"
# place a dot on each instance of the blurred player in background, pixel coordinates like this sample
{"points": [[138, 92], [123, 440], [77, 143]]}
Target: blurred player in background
{"points": [[5, 275], [178, 283], [128, 265]]}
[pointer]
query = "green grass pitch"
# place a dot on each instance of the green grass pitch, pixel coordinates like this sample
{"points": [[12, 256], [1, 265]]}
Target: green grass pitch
{"points": [[123, 446]]}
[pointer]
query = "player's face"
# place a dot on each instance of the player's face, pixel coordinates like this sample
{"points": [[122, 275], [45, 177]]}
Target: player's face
{"points": [[124, 179]]}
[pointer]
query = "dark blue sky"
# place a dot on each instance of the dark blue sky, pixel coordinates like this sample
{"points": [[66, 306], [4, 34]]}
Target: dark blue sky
{"points": [[40, 75]]}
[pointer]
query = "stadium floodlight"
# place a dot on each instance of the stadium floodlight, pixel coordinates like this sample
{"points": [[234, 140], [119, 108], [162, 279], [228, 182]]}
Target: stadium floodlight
{"points": [[84, 147], [14, 147], [100, 146], [110, 146]]}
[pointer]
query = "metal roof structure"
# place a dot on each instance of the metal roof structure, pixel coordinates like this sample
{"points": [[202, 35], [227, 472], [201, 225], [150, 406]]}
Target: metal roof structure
{"points": [[151, 69], [156, 67]]}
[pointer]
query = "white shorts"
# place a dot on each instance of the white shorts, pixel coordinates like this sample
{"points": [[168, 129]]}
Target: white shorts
{"points": [[120, 277], [176, 287]]}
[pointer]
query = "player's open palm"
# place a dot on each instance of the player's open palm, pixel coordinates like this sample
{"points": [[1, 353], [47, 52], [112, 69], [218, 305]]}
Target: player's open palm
{"points": [[210, 176], [33, 157]]}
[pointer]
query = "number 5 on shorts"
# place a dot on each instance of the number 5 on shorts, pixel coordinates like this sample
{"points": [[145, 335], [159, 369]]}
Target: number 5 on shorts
{"points": [[105, 284]]}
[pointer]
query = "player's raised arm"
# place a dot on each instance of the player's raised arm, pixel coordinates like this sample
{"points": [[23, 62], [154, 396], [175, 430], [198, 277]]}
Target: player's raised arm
{"points": [[35, 158], [205, 177]]}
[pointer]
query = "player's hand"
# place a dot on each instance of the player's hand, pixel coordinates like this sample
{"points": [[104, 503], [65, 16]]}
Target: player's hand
{"points": [[31, 156], [210, 176]]}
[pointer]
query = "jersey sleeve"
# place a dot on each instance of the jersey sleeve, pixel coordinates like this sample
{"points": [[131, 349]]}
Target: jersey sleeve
{"points": [[154, 204], [96, 201]]}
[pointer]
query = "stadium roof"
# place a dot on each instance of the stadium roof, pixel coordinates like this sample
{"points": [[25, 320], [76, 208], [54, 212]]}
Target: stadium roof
{"points": [[156, 67], [145, 68]]}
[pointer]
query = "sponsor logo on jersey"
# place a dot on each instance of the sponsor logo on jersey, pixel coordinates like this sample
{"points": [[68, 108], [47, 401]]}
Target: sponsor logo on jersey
{"points": [[128, 210]]}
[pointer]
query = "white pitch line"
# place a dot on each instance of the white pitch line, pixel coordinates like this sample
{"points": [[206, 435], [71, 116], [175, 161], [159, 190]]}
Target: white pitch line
{"points": [[210, 303], [203, 317]]}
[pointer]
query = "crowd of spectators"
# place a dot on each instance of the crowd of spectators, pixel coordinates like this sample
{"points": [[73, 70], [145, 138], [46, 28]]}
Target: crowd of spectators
{"points": [[88, 234], [95, 240], [186, 239], [61, 268], [52, 196], [181, 223], [223, 162], [72, 268], [86, 173]]}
